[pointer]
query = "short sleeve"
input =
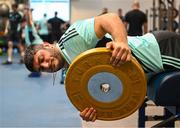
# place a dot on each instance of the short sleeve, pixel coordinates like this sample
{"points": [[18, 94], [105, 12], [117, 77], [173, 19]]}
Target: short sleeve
{"points": [[86, 30]]}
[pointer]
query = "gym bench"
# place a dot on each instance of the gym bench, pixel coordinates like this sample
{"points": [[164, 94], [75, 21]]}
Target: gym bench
{"points": [[164, 90]]}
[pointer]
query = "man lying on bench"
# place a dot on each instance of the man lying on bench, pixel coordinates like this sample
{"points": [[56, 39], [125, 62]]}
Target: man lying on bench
{"points": [[156, 52]]}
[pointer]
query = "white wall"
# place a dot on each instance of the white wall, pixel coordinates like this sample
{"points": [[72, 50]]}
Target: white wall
{"points": [[81, 9], [87, 8]]}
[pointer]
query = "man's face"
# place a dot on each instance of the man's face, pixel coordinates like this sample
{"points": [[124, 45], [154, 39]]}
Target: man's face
{"points": [[47, 60]]}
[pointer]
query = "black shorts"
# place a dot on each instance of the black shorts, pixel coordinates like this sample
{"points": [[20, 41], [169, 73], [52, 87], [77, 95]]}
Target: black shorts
{"points": [[14, 36], [169, 44]]}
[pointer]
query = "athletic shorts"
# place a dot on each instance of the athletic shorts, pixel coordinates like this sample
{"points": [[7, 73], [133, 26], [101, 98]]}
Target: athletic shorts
{"points": [[169, 44], [14, 36]]}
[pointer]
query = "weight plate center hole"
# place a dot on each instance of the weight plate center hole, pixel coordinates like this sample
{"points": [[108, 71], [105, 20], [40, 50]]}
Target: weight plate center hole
{"points": [[105, 87]]}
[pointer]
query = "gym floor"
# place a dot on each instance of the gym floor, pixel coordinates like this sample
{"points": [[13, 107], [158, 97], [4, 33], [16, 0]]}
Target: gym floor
{"points": [[35, 102]]}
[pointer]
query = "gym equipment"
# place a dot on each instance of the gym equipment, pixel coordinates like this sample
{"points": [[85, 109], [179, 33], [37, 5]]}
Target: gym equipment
{"points": [[115, 92], [172, 13], [1, 51], [166, 14], [163, 90], [3, 25], [4, 10], [179, 21], [4, 14], [154, 15]]}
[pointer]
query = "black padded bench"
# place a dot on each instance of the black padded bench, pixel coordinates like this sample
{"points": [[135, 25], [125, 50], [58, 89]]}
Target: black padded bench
{"points": [[164, 90]]}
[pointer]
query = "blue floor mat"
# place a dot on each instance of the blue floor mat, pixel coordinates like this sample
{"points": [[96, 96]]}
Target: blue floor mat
{"points": [[33, 102]]}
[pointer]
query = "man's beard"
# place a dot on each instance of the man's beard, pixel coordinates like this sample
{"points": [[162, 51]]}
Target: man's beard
{"points": [[56, 55]]}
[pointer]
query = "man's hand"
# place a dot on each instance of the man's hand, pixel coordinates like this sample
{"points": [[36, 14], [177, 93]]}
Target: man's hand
{"points": [[121, 53], [88, 114]]}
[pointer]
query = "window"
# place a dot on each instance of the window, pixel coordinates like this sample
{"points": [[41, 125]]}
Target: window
{"points": [[49, 7]]}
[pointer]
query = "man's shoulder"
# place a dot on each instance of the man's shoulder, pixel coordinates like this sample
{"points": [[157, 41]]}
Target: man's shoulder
{"points": [[140, 11], [51, 19], [129, 12], [56, 19], [15, 16], [81, 28]]}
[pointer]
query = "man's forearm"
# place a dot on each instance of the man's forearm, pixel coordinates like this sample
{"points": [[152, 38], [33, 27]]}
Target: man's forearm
{"points": [[6, 26], [29, 17], [112, 24]]}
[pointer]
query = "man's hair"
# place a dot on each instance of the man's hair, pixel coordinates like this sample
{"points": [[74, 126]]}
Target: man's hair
{"points": [[29, 56], [136, 3]]}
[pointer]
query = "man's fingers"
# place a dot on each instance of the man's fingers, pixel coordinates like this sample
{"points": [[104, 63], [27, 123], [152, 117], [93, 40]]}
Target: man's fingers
{"points": [[82, 114], [114, 55], [94, 118], [109, 45], [120, 57], [120, 54], [123, 57], [88, 113], [92, 115], [129, 56]]}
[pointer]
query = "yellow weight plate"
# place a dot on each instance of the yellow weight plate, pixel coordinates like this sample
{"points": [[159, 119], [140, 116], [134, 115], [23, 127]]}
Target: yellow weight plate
{"points": [[94, 62]]}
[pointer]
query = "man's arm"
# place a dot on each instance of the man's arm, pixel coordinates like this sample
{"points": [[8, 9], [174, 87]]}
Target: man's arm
{"points": [[110, 23], [28, 15], [6, 26]]}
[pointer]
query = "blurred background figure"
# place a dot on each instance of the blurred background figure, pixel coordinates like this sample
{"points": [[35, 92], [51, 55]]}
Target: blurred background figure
{"points": [[14, 34], [55, 27], [4, 15], [135, 20], [42, 27], [104, 11], [31, 35], [120, 14]]}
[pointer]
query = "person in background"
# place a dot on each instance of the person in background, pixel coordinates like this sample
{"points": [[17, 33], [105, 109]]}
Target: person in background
{"points": [[22, 38], [136, 20], [104, 11], [31, 35], [14, 34], [120, 14], [4, 14], [42, 26], [56, 27]]}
